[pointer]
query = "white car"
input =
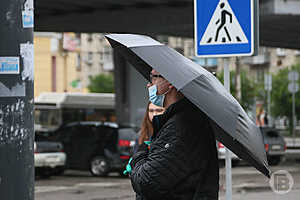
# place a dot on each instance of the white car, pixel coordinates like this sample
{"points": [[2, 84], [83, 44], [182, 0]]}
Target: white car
{"points": [[49, 158]]}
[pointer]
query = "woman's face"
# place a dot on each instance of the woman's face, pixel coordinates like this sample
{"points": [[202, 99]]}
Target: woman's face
{"points": [[154, 110]]}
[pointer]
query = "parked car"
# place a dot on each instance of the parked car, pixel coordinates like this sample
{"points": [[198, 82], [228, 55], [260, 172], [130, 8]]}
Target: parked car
{"points": [[98, 147], [292, 147], [49, 156], [222, 155], [274, 144]]}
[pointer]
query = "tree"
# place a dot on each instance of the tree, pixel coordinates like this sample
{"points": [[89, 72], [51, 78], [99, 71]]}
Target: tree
{"points": [[248, 87], [281, 97], [102, 83]]}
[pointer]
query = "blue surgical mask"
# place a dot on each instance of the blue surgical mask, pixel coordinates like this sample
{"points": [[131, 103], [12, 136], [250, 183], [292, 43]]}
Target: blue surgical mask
{"points": [[157, 100]]}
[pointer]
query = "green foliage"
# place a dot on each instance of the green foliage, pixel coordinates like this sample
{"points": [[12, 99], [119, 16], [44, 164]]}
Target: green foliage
{"points": [[248, 88], [281, 97], [102, 83]]}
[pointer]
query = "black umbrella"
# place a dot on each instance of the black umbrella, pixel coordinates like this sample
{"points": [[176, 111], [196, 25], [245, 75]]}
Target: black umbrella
{"points": [[231, 124]]}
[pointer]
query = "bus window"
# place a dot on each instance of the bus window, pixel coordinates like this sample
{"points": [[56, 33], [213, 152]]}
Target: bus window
{"points": [[61, 108], [47, 117]]}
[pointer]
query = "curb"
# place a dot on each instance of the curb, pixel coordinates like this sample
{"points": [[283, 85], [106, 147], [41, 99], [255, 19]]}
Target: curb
{"points": [[251, 187]]}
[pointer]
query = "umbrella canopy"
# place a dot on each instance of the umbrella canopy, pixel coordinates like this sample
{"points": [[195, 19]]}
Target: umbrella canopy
{"points": [[230, 123]]}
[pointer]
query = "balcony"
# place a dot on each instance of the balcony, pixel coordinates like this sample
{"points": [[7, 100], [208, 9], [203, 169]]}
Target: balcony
{"points": [[257, 60], [263, 57], [206, 62], [279, 7]]}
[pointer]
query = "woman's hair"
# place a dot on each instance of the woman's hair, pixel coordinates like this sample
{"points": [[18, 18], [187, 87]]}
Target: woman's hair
{"points": [[146, 127]]}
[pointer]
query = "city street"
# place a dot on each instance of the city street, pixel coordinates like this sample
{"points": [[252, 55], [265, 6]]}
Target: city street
{"points": [[75, 185]]}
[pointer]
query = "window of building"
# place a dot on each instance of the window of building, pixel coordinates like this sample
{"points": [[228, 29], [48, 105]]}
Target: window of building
{"points": [[90, 37], [89, 59], [206, 62], [78, 62], [163, 39], [190, 51], [280, 52], [179, 42], [107, 53], [297, 53], [78, 38], [100, 56]]}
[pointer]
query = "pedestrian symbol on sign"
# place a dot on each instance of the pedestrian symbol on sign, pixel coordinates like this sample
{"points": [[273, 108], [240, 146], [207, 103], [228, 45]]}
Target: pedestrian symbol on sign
{"points": [[223, 22], [223, 28]]}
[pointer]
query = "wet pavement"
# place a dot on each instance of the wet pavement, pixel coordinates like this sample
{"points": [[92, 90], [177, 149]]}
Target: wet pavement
{"points": [[77, 185]]}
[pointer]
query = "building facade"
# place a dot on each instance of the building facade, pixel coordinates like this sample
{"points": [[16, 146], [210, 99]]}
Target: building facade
{"points": [[65, 62], [268, 60], [54, 69], [96, 57]]}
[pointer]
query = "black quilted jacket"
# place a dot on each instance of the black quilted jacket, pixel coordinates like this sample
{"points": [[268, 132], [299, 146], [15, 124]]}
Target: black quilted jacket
{"points": [[182, 162]]}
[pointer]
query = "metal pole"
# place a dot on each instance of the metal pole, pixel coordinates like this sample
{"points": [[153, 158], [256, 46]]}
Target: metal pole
{"points": [[269, 108], [294, 119], [228, 153], [238, 79], [16, 100]]}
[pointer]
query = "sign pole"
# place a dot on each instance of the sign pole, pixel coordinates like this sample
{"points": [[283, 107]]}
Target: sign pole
{"points": [[228, 153], [268, 88], [293, 87], [294, 118], [269, 109], [226, 29]]}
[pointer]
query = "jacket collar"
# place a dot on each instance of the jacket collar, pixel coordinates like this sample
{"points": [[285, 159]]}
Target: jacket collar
{"points": [[160, 120]]}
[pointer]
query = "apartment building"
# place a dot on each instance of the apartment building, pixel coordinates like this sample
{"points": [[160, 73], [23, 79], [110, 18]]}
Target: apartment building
{"points": [[96, 57], [268, 60], [54, 68], [65, 61]]}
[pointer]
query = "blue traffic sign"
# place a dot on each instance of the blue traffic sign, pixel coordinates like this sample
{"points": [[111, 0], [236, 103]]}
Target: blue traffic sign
{"points": [[224, 28]]}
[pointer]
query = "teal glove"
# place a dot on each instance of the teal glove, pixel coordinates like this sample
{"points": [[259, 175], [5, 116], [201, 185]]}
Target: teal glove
{"points": [[128, 167]]}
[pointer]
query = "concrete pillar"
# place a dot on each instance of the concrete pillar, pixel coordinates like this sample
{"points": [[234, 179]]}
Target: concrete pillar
{"points": [[131, 92], [16, 100]]}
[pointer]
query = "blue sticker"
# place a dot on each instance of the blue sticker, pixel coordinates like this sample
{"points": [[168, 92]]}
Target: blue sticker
{"points": [[28, 19], [9, 65]]}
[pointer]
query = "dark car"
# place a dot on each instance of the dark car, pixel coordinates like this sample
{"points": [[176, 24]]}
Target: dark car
{"points": [[95, 146], [274, 144]]}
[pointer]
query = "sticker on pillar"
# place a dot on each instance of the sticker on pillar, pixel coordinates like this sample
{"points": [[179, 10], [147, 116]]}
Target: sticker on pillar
{"points": [[27, 14], [9, 65], [17, 90], [27, 54], [27, 17], [28, 5]]}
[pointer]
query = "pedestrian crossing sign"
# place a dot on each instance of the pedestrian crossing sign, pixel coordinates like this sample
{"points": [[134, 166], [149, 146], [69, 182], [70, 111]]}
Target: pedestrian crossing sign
{"points": [[224, 28]]}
